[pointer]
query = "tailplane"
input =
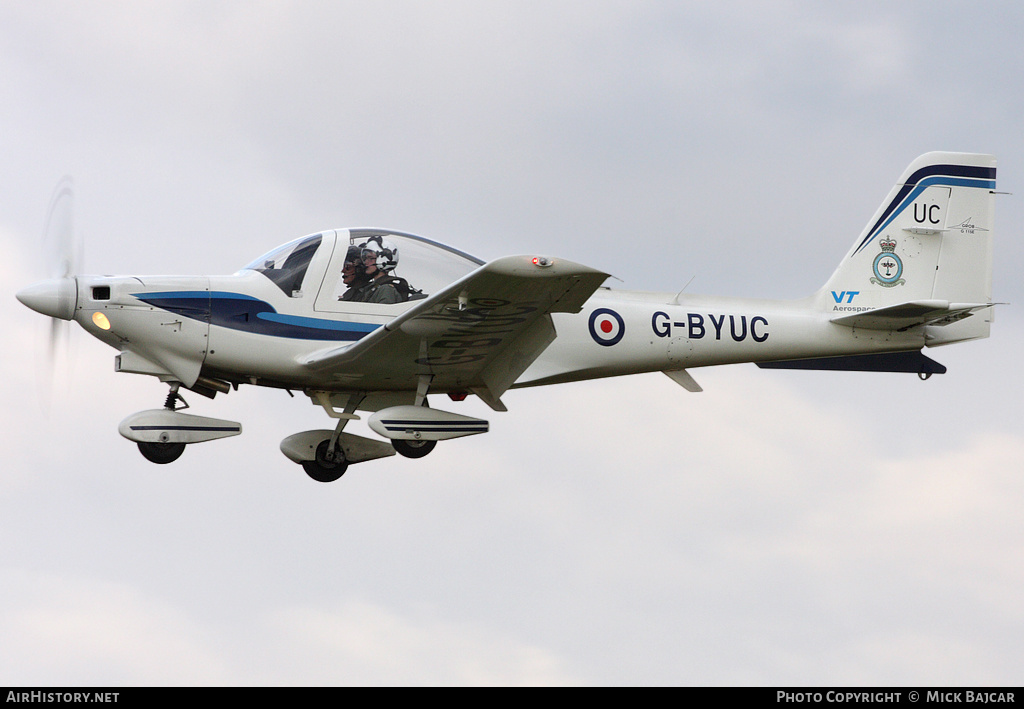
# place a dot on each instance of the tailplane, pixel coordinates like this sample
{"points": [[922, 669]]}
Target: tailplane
{"points": [[925, 258]]}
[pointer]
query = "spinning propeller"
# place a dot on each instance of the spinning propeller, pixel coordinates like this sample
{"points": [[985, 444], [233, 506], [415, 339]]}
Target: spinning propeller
{"points": [[62, 254]]}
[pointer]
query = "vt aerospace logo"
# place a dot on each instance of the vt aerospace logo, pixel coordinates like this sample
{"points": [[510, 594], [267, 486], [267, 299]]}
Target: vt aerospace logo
{"points": [[606, 327]]}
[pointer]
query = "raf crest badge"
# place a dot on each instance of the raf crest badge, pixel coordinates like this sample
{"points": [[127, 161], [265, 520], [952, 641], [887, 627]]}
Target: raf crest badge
{"points": [[887, 266]]}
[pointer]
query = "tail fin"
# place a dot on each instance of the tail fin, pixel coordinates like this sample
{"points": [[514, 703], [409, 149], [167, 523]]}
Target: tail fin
{"points": [[930, 245]]}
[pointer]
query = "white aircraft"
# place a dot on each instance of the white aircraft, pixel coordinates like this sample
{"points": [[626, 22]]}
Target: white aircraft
{"points": [[919, 275]]}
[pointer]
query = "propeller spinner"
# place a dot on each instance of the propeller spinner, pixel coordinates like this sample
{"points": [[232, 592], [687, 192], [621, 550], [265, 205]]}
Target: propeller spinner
{"points": [[58, 295]]}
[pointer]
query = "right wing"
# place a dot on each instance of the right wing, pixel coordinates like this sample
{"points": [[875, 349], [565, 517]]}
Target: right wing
{"points": [[478, 335]]}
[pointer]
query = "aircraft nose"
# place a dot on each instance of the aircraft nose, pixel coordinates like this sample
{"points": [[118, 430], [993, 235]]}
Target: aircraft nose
{"points": [[56, 297]]}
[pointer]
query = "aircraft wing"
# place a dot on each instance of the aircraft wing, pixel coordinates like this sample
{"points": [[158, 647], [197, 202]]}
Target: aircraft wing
{"points": [[477, 335], [910, 314]]}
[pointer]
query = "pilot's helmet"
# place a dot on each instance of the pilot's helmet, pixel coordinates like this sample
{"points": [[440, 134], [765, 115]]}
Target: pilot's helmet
{"points": [[385, 252], [353, 256]]}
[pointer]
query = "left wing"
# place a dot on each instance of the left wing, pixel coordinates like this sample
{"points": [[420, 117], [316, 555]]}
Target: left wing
{"points": [[476, 335]]}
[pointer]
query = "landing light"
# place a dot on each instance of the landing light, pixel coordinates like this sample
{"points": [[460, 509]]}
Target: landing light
{"points": [[100, 321]]}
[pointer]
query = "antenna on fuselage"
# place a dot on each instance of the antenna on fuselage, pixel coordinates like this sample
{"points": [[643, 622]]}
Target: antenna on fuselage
{"points": [[675, 301]]}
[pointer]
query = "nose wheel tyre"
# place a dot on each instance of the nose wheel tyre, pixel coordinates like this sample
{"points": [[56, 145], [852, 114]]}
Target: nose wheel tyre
{"points": [[161, 453], [327, 467], [413, 449]]}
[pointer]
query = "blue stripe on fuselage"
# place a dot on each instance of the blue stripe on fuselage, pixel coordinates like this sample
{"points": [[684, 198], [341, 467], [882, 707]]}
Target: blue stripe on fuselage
{"points": [[236, 311]]}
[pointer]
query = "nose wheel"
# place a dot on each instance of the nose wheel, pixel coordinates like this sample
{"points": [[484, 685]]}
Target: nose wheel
{"points": [[161, 453], [328, 465]]}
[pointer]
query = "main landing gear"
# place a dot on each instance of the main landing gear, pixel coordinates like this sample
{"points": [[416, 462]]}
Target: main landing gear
{"points": [[413, 449], [411, 430], [331, 461], [329, 464], [326, 455]]}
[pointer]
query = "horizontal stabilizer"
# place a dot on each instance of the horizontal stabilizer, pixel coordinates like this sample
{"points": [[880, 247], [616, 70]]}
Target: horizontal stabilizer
{"points": [[910, 314], [912, 362]]}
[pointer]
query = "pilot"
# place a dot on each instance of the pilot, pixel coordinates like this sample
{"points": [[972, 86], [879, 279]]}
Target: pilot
{"points": [[353, 273], [379, 257]]}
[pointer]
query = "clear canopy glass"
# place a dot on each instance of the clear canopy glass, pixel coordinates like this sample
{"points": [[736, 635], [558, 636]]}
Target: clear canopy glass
{"points": [[425, 265], [286, 265]]}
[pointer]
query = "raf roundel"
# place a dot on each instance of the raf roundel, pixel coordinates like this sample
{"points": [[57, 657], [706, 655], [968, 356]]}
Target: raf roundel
{"points": [[606, 327]]}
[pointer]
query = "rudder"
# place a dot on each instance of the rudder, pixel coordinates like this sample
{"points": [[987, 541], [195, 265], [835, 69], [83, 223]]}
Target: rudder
{"points": [[930, 240]]}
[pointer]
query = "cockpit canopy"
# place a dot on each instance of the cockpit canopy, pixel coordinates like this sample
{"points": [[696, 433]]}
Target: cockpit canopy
{"points": [[286, 265], [315, 262]]}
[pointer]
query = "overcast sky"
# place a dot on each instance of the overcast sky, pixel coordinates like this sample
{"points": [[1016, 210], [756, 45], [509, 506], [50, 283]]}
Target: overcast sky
{"points": [[779, 528]]}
